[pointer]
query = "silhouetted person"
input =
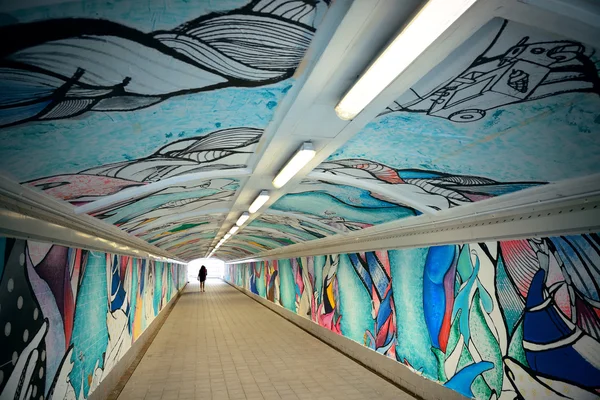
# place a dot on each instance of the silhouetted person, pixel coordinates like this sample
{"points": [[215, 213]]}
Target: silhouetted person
{"points": [[202, 277]]}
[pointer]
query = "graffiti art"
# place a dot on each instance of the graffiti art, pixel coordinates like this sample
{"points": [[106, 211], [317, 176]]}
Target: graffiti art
{"points": [[82, 65], [430, 189], [509, 71], [69, 315], [510, 319]]}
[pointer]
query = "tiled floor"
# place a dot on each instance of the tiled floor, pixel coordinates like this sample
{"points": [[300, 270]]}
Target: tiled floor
{"points": [[223, 345]]}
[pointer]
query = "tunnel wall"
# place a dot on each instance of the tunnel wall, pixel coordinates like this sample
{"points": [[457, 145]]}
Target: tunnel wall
{"points": [[68, 316], [481, 319]]}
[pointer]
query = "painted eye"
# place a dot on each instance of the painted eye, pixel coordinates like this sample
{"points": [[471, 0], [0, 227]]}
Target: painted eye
{"points": [[538, 50]]}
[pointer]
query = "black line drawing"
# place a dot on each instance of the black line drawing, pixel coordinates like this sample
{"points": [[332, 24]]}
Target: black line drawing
{"points": [[77, 65], [436, 190], [526, 71], [133, 214], [223, 149]]}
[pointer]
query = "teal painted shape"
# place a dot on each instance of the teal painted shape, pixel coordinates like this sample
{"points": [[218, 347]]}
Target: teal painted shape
{"points": [[324, 205], [169, 282], [133, 291], [287, 286], [158, 282], [126, 213], [413, 344], [90, 333], [462, 381], [354, 302]]}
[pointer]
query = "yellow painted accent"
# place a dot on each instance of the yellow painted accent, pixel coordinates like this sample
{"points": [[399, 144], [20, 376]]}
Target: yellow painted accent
{"points": [[330, 295], [137, 319]]}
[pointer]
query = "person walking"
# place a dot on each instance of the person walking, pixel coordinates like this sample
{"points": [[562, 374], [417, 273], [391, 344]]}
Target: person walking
{"points": [[202, 277]]}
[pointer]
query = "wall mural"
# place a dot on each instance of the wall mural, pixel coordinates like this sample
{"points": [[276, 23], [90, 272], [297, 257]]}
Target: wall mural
{"points": [[479, 113], [342, 207], [69, 315], [494, 320]]}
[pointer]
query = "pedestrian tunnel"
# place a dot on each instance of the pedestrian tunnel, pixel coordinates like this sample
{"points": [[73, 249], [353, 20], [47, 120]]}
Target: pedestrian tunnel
{"points": [[407, 189]]}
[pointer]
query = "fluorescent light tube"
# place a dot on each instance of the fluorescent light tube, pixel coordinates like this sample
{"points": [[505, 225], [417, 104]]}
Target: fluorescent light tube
{"points": [[227, 236], [295, 164], [233, 230], [431, 21], [260, 201], [243, 218]]}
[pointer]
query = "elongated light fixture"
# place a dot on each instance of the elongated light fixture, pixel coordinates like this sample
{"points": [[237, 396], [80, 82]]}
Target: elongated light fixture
{"points": [[227, 236], [233, 230], [260, 201], [295, 164], [431, 21], [243, 218]]}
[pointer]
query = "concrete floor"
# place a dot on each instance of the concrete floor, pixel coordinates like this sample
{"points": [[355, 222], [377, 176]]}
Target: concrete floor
{"points": [[223, 345]]}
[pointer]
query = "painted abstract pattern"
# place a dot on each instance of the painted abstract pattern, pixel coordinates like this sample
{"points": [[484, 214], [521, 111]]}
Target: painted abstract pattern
{"points": [[511, 104], [153, 232], [224, 149], [343, 208], [165, 205], [426, 190], [272, 230], [69, 315], [136, 92], [495, 320]]}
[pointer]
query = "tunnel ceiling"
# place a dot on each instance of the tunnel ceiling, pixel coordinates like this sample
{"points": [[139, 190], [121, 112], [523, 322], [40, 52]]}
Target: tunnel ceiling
{"points": [[166, 122]]}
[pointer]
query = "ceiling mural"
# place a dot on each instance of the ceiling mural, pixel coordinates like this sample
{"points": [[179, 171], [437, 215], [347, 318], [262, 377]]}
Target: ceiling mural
{"points": [[428, 189], [111, 100], [168, 241], [286, 228], [158, 232], [223, 149], [258, 241], [151, 116], [511, 104], [174, 201], [342, 207], [85, 65], [122, 97], [197, 243]]}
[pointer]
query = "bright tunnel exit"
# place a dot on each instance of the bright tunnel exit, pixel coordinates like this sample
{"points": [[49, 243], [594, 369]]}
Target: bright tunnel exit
{"points": [[214, 266]]}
